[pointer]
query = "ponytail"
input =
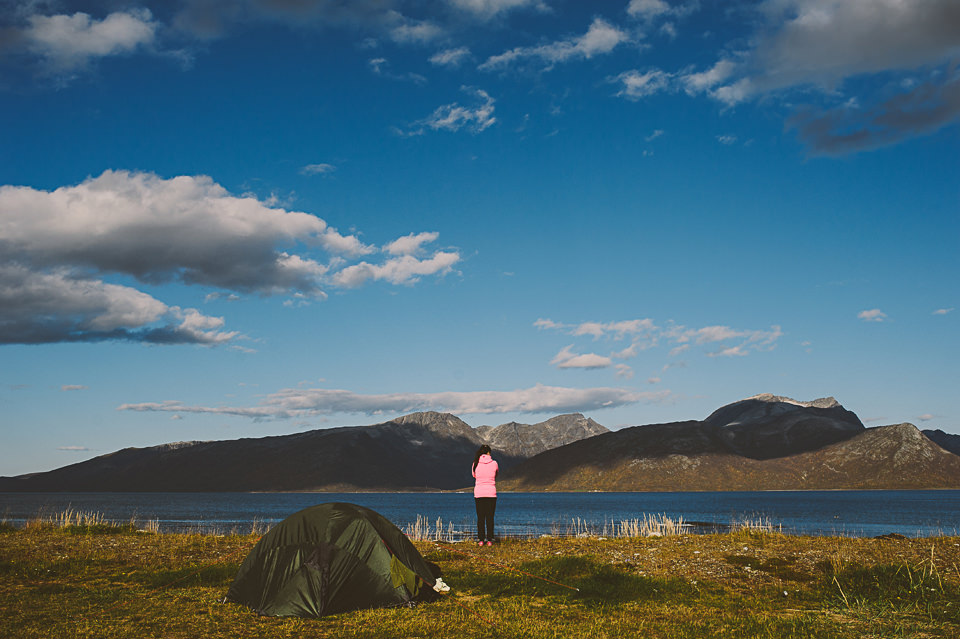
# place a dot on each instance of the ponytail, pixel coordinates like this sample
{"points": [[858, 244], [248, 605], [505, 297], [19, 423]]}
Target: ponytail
{"points": [[483, 450]]}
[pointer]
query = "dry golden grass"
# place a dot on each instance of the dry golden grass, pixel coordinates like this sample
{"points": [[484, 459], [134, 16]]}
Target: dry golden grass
{"points": [[112, 582]]}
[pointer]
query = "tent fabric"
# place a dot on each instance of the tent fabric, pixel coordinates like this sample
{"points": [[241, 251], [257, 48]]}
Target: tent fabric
{"points": [[331, 558]]}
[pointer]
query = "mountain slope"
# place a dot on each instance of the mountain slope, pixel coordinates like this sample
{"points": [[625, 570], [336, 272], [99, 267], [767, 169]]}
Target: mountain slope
{"points": [[421, 451], [637, 459], [764, 442]]}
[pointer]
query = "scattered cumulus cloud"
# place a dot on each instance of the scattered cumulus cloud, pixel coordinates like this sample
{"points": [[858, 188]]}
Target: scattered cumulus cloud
{"points": [[308, 402], [410, 244], [727, 140], [69, 43], [926, 417], [60, 247], [873, 315]]}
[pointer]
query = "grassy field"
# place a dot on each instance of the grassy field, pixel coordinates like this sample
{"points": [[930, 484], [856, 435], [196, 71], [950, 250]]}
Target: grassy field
{"points": [[105, 581]]}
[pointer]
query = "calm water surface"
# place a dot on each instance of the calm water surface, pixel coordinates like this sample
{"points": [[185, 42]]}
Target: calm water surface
{"points": [[848, 513]]}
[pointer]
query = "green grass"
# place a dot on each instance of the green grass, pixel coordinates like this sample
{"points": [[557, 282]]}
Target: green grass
{"points": [[60, 582]]}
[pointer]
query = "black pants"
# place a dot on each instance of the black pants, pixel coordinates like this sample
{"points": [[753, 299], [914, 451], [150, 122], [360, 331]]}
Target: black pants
{"points": [[486, 506]]}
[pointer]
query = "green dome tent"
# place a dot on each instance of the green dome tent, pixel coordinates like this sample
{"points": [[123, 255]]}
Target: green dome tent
{"points": [[331, 558]]}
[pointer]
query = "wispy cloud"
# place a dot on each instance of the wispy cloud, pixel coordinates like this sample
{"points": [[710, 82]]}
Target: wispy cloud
{"points": [[74, 449], [307, 402], [943, 311], [644, 334], [450, 57], [475, 117], [73, 387], [318, 169], [487, 9], [601, 38]]}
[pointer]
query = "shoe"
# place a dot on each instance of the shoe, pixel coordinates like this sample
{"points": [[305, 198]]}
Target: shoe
{"points": [[480, 543], [489, 543], [440, 586]]}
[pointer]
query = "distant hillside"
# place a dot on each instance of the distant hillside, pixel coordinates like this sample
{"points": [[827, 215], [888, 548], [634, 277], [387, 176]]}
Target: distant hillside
{"points": [[946, 441], [422, 451], [763, 443]]}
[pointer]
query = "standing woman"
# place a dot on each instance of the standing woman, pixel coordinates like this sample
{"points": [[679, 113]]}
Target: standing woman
{"points": [[485, 493]]}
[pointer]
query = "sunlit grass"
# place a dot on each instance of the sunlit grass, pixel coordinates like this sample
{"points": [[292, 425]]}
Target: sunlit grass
{"points": [[56, 582]]}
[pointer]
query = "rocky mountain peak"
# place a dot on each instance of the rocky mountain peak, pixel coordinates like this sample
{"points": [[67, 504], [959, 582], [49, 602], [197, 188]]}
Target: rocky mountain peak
{"points": [[766, 426]]}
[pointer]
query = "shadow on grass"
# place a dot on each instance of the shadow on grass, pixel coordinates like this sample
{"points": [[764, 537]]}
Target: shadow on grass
{"points": [[598, 583], [191, 576], [918, 590]]}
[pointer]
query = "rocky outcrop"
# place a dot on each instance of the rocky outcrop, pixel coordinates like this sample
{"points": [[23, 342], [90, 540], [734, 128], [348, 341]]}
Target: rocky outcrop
{"points": [[526, 440]]}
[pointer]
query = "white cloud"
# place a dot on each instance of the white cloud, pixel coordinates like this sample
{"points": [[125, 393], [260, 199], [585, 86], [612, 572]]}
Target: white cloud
{"points": [[450, 57], [453, 117], [653, 136], [487, 9], [318, 169], [926, 417], [647, 8], [567, 359], [307, 402], [57, 244], [405, 269], [410, 244], [70, 42], [601, 38], [637, 85], [73, 449], [943, 311], [727, 140], [618, 330], [873, 315], [73, 387], [409, 31]]}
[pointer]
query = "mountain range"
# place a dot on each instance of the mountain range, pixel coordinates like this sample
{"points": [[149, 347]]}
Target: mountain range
{"points": [[765, 442]]}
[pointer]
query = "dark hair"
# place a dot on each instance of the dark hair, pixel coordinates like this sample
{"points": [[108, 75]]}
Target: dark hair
{"points": [[483, 450]]}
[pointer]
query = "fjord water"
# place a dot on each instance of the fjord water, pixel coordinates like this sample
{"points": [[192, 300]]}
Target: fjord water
{"points": [[916, 513]]}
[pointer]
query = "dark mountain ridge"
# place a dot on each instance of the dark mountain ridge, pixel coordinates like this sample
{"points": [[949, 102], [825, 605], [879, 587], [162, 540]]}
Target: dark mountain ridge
{"points": [[761, 443], [421, 451]]}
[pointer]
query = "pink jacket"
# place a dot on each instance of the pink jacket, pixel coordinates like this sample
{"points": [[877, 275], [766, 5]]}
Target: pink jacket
{"points": [[486, 475]]}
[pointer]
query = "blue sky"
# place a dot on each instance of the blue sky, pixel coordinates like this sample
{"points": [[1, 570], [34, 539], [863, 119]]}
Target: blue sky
{"points": [[239, 219]]}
